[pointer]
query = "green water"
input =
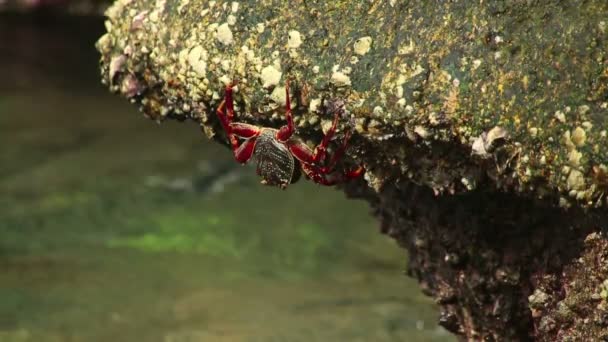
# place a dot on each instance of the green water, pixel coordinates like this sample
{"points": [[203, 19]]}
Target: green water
{"points": [[114, 228]]}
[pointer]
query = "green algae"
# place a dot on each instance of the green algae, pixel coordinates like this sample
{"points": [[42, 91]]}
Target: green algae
{"points": [[94, 251]]}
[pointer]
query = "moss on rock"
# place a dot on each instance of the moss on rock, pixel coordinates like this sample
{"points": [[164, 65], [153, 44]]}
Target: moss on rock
{"points": [[420, 74]]}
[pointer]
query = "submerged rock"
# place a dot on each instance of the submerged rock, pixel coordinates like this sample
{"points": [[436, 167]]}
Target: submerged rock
{"points": [[500, 107]]}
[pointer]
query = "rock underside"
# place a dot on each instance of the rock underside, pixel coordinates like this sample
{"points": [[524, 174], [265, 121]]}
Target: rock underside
{"points": [[482, 129]]}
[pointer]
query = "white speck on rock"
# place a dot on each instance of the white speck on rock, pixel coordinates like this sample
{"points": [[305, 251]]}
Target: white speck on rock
{"points": [[401, 103], [295, 39], [583, 109], [476, 64], [212, 27], [497, 133], [409, 109], [362, 45], [574, 158], [576, 180], [195, 54], [378, 111], [200, 67], [154, 16], [278, 96], [183, 57], [567, 141], [340, 79], [578, 136], [399, 91], [270, 76], [225, 80], [116, 65], [407, 49], [326, 125], [587, 125], [560, 116], [422, 132], [484, 143], [533, 132], [314, 105], [226, 65], [224, 34]]}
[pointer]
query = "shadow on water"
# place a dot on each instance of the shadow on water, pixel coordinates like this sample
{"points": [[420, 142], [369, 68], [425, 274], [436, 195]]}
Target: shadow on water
{"points": [[113, 228]]}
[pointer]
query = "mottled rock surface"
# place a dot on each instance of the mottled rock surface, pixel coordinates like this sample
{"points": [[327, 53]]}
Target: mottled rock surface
{"points": [[502, 268], [498, 108]]}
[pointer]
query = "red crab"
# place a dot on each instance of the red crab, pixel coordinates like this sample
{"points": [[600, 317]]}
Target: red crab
{"points": [[281, 155]]}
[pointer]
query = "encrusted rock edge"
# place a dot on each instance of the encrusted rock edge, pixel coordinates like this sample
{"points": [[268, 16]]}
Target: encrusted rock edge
{"points": [[501, 267], [526, 111]]}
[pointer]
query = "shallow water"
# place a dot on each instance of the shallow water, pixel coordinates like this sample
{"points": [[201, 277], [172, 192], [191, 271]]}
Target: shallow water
{"points": [[114, 228]]}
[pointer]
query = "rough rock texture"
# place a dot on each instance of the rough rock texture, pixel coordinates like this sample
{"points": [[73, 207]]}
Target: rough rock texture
{"points": [[502, 267], [482, 128]]}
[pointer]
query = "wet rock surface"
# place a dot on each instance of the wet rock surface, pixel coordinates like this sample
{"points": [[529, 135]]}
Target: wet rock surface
{"points": [[499, 266], [482, 127]]}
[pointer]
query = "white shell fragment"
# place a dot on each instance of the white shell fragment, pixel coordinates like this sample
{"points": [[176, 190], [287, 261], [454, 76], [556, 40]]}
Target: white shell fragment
{"points": [[224, 34], [362, 45], [483, 144], [294, 40], [270, 76]]}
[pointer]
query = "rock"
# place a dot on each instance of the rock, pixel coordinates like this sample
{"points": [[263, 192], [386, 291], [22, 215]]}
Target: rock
{"points": [[461, 83]]}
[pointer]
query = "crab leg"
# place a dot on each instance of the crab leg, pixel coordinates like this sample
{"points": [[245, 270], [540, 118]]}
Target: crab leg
{"points": [[244, 151], [354, 173], [226, 120], [333, 178], [243, 130], [338, 154], [320, 178], [285, 132], [321, 150], [304, 154]]}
